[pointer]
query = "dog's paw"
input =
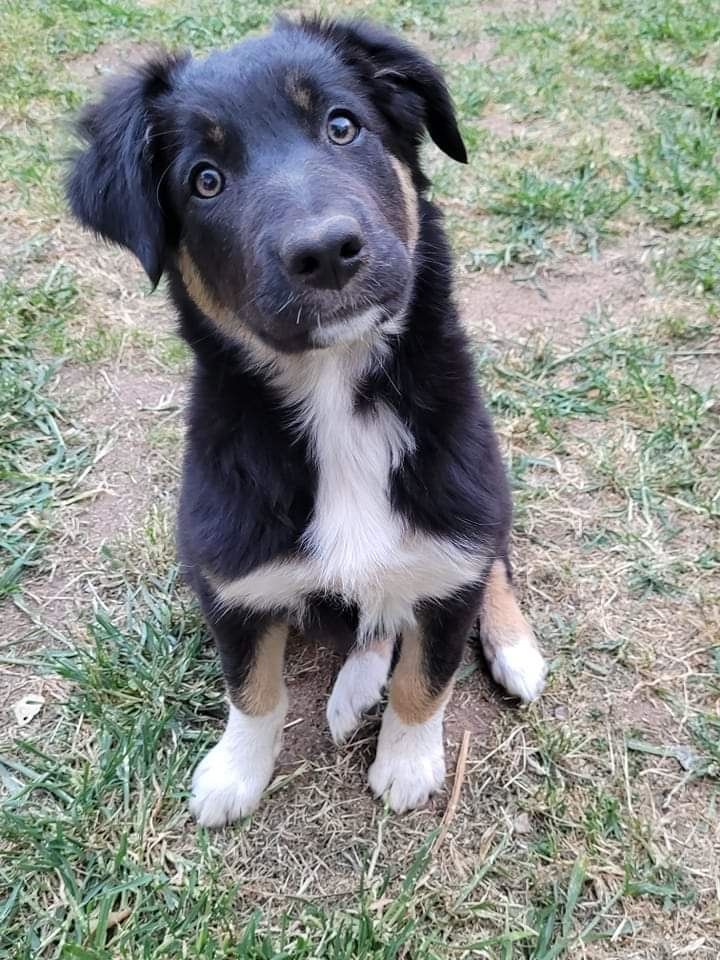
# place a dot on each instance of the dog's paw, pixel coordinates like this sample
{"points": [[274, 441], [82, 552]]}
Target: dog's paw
{"points": [[229, 781], [358, 687], [225, 789], [410, 763], [520, 668]]}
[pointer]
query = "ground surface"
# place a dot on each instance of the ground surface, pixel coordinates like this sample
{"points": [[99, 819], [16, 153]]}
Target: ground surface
{"points": [[589, 272]]}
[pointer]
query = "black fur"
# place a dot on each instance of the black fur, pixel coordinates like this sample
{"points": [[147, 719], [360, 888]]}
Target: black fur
{"points": [[113, 183], [249, 479], [407, 88]]}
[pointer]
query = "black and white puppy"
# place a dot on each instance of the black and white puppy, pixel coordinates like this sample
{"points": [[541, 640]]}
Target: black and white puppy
{"points": [[340, 471]]}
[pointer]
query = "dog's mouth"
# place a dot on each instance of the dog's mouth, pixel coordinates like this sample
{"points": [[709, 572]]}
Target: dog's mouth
{"points": [[358, 325], [307, 325], [291, 316]]}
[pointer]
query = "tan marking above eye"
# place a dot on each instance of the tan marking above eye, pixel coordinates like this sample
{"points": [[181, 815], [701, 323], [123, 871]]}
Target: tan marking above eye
{"points": [[216, 134], [298, 91]]}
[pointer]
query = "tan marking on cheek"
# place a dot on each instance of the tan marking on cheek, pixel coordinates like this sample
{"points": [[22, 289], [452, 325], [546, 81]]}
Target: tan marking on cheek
{"points": [[202, 297], [410, 695], [501, 621], [410, 201], [263, 685], [298, 91]]}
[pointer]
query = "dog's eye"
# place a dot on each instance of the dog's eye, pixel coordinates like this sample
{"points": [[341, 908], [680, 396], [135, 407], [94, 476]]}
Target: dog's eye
{"points": [[206, 181], [341, 129]]}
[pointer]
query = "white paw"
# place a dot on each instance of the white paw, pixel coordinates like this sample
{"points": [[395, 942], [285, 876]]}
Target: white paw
{"points": [[410, 762], [224, 789], [520, 668], [230, 779], [358, 687]]}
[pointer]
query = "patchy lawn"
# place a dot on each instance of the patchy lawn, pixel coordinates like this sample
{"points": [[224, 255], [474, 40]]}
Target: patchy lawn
{"points": [[586, 232]]}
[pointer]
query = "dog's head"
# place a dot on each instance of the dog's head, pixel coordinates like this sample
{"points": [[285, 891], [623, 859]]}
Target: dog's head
{"points": [[279, 180]]}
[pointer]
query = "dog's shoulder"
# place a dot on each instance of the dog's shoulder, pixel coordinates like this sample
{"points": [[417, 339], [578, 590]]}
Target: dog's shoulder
{"points": [[248, 480]]}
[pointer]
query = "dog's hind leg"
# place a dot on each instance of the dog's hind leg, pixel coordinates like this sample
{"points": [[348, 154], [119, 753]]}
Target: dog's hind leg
{"points": [[358, 687], [229, 781], [508, 642]]}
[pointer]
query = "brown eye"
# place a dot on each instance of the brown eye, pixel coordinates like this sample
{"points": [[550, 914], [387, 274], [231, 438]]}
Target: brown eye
{"points": [[341, 129], [207, 182]]}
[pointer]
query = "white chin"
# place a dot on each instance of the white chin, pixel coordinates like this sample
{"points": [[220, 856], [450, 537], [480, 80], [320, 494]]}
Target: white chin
{"points": [[357, 327]]}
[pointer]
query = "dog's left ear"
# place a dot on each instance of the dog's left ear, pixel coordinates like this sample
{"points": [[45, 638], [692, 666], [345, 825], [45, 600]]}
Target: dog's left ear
{"points": [[408, 89], [112, 186]]}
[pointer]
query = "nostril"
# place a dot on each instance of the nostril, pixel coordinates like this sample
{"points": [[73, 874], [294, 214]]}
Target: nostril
{"points": [[351, 248], [307, 266]]}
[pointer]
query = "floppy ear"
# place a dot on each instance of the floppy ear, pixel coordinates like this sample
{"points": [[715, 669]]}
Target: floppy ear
{"points": [[406, 86], [112, 185]]}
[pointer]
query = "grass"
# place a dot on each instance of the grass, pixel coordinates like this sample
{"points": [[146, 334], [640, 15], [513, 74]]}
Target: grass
{"points": [[628, 376], [695, 265], [42, 456], [586, 825], [533, 207]]}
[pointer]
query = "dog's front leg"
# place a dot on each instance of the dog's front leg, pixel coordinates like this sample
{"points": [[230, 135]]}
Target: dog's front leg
{"points": [[229, 781], [358, 687], [410, 761]]}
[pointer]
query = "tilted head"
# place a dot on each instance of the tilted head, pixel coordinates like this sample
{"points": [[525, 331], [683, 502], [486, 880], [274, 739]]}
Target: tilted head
{"points": [[277, 181]]}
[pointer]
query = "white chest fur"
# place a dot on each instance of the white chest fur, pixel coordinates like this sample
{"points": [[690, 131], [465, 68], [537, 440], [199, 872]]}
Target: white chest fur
{"points": [[355, 545]]}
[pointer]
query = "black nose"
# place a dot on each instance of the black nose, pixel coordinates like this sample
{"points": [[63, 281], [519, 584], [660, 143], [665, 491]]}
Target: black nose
{"points": [[324, 254]]}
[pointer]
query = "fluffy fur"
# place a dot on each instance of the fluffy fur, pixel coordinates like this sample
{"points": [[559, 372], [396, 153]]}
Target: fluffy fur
{"points": [[340, 472]]}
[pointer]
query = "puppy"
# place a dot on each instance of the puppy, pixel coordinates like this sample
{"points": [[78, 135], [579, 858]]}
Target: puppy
{"points": [[340, 471]]}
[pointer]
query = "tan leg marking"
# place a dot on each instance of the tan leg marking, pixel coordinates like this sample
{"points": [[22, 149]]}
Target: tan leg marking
{"points": [[410, 202], [263, 687], [230, 779], [410, 695], [409, 763], [508, 642], [502, 622]]}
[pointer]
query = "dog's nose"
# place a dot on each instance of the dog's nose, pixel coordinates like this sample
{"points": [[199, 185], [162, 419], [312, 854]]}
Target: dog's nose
{"points": [[324, 254]]}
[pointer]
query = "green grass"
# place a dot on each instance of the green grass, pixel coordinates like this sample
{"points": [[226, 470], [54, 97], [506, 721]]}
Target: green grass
{"points": [[531, 207], [573, 73], [628, 376], [694, 266], [42, 455], [76, 825], [84, 876], [675, 177]]}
